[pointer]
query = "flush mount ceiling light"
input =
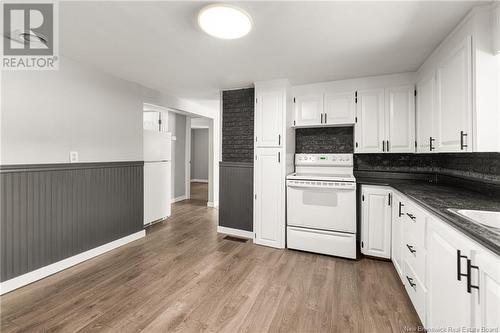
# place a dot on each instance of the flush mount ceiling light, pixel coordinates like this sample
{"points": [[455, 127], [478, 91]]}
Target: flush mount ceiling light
{"points": [[224, 21]]}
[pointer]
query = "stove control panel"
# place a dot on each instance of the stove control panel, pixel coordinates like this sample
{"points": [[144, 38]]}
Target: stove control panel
{"points": [[324, 159]]}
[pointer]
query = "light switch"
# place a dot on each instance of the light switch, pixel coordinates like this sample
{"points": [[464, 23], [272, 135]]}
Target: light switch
{"points": [[73, 156]]}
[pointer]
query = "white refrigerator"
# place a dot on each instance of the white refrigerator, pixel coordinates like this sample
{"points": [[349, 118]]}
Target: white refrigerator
{"points": [[157, 175]]}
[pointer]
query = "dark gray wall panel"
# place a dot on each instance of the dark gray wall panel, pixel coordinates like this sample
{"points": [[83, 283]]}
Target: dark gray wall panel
{"points": [[236, 195], [52, 212], [237, 125], [333, 140]]}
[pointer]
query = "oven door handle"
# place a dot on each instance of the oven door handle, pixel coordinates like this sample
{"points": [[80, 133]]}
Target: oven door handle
{"points": [[346, 188]]}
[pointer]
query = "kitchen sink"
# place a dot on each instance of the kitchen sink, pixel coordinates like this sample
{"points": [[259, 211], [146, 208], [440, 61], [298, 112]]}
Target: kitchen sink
{"points": [[486, 218]]}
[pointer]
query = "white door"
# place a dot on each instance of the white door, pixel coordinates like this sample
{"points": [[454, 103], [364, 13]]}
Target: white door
{"points": [[370, 130], [269, 107], [269, 223], [454, 107], [339, 108], [309, 110], [487, 298], [448, 303], [376, 221], [426, 92], [400, 116], [397, 223]]}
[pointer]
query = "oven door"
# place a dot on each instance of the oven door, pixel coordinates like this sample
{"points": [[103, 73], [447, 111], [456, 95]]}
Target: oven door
{"points": [[322, 205]]}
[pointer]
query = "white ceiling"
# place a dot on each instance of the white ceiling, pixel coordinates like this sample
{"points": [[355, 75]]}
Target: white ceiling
{"points": [[159, 44]]}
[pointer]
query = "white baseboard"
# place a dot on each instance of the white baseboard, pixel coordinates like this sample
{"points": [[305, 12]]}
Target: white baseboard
{"points": [[45, 271], [199, 180], [182, 197], [235, 232]]}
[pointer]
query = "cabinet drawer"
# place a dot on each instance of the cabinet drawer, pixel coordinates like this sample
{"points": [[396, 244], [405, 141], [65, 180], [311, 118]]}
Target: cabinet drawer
{"points": [[414, 224], [321, 241], [416, 291], [416, 257]]}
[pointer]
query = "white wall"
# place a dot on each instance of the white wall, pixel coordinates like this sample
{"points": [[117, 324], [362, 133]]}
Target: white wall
{"points": [[47, 114]]}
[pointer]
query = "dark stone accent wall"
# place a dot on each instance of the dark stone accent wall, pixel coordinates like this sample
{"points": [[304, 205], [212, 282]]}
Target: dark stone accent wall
{"points": [[483, 167], [237, 125], [51, 212], [324, 140]]}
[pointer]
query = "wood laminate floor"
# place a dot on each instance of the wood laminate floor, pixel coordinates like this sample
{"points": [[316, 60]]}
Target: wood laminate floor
{"points": [[184, 277]]}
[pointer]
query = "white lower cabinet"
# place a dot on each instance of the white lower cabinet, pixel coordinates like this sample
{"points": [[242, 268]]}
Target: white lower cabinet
{"points": [[452, 281], [269, 225], [449, 304], [487, 298], [376, 221], [398, 215]]}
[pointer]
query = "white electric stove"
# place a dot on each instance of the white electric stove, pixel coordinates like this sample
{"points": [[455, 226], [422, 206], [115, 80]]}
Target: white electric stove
{"points": [[321, 205]]}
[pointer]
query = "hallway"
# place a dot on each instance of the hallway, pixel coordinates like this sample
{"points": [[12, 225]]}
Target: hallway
{"points": [[185, 277], [199, 193]]}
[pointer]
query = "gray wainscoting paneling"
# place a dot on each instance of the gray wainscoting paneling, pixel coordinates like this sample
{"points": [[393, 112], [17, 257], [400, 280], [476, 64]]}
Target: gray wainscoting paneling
{"points": [[55, 211], [236, 195]]}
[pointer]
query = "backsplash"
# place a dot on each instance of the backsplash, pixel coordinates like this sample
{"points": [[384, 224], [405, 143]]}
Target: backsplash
{"points": [[237, 125], [324, 140], [483, 167]]}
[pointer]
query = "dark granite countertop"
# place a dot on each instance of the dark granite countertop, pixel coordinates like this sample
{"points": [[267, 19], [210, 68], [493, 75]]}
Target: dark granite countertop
{"points": [[438, 198]]}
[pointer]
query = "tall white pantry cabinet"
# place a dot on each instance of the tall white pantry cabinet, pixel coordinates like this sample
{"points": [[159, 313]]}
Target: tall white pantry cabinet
{"points": [[274, 147]]}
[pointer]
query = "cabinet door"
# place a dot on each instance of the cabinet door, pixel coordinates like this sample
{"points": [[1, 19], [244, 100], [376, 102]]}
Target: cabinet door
{"points": [[453, 97], [426, 92], [269, 224], [487, 298], [269, 111], [339, 108], [448, 303], [308, 110], [376, 221], [400, 116], [370, 129], [397, 224]]}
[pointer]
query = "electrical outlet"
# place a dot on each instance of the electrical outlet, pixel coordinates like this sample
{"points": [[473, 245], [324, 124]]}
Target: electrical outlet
{"points": [[73, 156]]}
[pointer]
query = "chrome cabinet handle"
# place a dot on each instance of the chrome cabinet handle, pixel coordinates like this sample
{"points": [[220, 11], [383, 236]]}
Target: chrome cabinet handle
{"points": [[411, 216]]}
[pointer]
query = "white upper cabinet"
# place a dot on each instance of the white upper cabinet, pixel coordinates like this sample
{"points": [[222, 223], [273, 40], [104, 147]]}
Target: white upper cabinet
{"points": [[269, 117], [426, 90], [339, 108], [376, 221], [400, 116], [324, 109], [453, 100], [308, 110], [370, 128]]}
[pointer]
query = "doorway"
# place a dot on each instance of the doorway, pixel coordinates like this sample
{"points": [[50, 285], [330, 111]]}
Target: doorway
{"points": [[199, 159]]}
